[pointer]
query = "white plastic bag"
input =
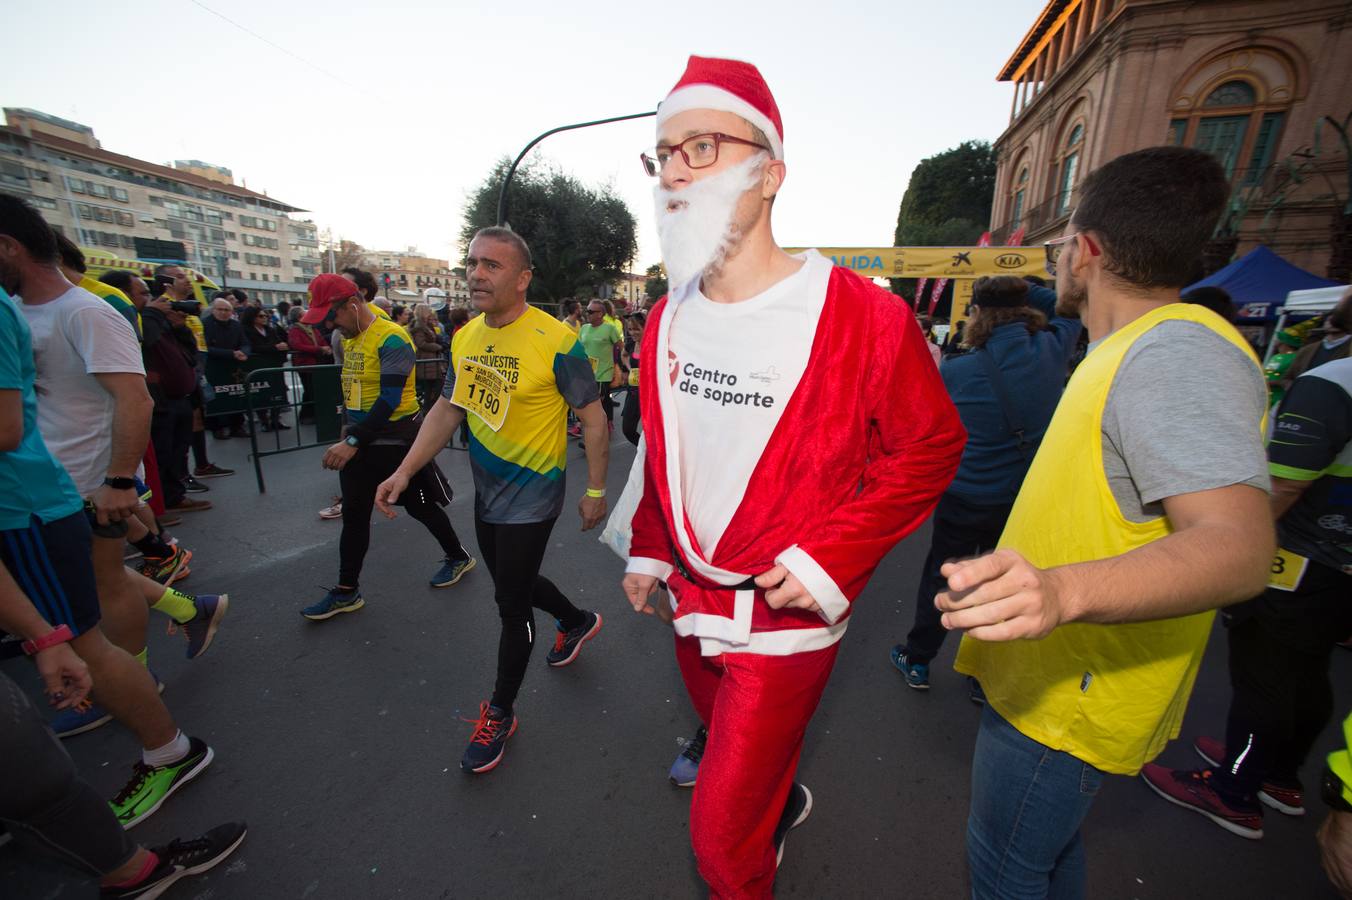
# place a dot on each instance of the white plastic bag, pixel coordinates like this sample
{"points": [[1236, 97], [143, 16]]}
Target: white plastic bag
{"points": [[619, 530]]}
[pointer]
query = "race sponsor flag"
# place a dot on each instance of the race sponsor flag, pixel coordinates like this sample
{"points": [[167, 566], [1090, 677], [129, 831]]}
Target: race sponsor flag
{"points": [[939, 285], [919, 290], [1016, 239]]}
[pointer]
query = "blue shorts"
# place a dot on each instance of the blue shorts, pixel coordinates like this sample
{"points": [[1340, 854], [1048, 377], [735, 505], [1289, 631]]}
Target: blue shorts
{"points": [[53, 566]]}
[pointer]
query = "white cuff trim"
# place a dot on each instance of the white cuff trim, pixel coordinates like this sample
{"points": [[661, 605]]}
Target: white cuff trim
{"points": [[643, 565], [822, 587]]}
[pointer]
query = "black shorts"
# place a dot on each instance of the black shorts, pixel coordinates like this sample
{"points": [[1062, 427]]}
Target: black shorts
{"points": [[53, 566], [376, 462]]}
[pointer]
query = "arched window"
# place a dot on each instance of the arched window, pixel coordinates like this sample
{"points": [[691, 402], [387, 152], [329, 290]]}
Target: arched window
{"points": [[1019, 196], [1069, 167], [1233, 105], [1232, 93]]}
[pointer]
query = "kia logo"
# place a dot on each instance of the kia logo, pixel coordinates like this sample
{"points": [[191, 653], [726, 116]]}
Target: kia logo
{"points": [[1011, 260]]}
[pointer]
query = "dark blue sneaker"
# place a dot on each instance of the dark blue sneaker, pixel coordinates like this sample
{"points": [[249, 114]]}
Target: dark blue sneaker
{"points": [[685, 769], [491, 731], [451, 570], [796, 810], [916, 674], [334, 602], [200, 629], [79, 719], [567, 644]]}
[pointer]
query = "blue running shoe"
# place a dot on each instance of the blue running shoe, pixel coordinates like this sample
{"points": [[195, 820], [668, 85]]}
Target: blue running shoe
{"points": [[568, 644], [334, 602], [491, 731], [79, 719], [451, 571], [685, 769], [201, 628], [916, 674]]}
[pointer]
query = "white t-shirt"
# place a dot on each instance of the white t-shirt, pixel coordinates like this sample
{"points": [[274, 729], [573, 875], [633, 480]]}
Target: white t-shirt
{"points": [[76, 336], [735, 367]]}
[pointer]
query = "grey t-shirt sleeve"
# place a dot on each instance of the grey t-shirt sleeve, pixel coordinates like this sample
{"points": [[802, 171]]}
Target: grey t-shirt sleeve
{"points": [[1183, 415]]}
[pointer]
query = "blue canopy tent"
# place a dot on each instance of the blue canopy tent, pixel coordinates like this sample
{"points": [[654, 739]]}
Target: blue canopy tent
{"points": [[1258, 283]]}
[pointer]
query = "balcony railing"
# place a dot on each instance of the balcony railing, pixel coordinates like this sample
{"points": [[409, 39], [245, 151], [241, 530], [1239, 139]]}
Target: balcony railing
{"points": [[1035, 219]]}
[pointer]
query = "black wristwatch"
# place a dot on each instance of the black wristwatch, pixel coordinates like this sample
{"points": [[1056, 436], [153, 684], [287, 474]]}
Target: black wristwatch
{"points": [[1332, 789], [119, 483], [351, 441]]}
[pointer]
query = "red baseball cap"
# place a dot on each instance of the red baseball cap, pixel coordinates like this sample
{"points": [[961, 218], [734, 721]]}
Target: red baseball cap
{"points": [[326, 290]]}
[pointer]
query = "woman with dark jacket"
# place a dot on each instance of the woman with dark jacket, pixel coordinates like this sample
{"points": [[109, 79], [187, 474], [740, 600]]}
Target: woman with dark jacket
{"points": [[1005, 387], [431, 356], [268, 345]]}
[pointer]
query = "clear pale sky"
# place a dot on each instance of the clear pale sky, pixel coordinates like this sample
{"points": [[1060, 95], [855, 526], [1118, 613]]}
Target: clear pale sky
{"points": [[415, 101]]}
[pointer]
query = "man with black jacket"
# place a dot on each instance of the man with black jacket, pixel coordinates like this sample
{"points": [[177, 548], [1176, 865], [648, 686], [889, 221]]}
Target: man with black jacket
{"points": [[169, 350], [225, 340]]}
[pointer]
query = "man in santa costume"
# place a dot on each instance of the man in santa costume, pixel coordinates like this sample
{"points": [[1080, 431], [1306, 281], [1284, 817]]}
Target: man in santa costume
{"points": [[796, 431]]}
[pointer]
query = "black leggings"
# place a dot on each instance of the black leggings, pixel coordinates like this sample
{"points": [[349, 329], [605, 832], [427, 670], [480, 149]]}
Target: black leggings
{"points": [[423, 500], [606, 402], [42, 800], [629, 419], [514, 554], [1280, 644]]}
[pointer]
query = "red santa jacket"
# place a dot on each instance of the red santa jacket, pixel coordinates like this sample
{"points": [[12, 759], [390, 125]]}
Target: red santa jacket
{"points": [[861, 453]]}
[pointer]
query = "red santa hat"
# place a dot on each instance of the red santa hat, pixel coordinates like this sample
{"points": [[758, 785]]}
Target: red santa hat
{"points": [[729, 85]]}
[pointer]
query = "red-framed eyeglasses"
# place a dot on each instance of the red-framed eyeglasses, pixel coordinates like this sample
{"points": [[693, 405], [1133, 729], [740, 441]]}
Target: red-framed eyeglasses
{"points": [[699, 151]]}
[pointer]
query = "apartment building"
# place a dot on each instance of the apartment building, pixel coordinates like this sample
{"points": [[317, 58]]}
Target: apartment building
{"points": [[412, 275], [191, 212]]}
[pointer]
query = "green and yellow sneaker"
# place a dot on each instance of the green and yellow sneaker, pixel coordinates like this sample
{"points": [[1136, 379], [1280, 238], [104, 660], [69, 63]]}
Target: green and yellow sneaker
{"points": [[150, 786]]}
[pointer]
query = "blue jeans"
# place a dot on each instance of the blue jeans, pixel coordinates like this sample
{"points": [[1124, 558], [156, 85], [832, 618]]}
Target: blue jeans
{"points": [[1023, 833]]}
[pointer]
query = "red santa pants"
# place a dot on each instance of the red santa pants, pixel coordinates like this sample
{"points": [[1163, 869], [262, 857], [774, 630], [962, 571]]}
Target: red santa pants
{"points": [[756, 709]]}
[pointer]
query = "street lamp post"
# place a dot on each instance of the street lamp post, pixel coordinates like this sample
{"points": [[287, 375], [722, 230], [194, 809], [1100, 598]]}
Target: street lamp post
{"points": [[507, 182]]}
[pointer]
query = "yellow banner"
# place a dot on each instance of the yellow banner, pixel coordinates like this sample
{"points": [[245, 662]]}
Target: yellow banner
{"points": [[962, 300], [937, 262]]}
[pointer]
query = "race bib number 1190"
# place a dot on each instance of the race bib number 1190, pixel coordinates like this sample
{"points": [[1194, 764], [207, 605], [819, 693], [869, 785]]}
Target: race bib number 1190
{"points": [[483, 391]]}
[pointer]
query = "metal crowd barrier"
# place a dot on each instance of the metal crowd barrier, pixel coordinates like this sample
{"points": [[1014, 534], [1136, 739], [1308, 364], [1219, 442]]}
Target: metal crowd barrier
{"points": [[325, 403]]}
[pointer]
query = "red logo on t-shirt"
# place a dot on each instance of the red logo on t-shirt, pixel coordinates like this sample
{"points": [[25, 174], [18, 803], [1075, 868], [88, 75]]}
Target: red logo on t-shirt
{"points": [[672, 366]]}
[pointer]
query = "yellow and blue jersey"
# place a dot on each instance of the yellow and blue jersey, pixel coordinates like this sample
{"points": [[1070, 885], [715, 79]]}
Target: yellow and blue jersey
{"points": [[519, 467]]}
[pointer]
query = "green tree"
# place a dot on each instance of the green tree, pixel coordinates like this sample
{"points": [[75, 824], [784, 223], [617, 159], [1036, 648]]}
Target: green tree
{"points": [[947, 202], [580, 237], [656, 285]]}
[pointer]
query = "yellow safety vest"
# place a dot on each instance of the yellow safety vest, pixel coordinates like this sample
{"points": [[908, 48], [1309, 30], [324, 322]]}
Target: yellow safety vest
{"points": [[1110, 695]]}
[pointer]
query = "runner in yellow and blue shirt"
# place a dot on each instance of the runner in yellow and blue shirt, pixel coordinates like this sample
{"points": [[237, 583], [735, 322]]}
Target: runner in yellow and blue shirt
{"points": [[515, 371], [382, 421]]}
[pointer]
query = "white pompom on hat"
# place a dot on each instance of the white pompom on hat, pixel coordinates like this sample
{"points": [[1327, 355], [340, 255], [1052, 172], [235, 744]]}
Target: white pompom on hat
{"points": [[727, 85]]}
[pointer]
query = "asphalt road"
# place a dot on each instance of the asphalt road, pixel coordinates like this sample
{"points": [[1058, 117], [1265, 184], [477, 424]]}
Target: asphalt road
{"points": [[339, 742]]}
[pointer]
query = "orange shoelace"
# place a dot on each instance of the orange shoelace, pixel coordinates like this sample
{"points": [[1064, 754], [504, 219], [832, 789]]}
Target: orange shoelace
{"points": [[486, 728]]}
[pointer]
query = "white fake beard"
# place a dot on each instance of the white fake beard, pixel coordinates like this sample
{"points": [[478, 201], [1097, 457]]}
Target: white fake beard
{"points": [[695, 224]]}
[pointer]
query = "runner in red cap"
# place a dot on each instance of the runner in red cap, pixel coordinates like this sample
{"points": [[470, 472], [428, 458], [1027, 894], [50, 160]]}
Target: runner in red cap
{"points": [[381, 408]]}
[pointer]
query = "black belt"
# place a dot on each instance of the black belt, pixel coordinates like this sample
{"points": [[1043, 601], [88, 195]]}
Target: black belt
{"points": [[748, 585]]}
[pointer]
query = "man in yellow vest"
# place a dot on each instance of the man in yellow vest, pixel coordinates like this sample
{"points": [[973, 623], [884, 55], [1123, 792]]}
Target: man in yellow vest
{"points": [[382, 419], [1145, 509]]}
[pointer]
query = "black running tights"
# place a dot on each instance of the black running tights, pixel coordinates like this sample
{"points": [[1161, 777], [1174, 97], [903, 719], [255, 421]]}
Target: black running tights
{"points": [[513, 554], [359, 480]]}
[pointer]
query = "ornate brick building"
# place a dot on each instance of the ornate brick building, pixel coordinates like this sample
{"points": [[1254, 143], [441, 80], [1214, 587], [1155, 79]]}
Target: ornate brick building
{"points": [[1247, 80]]}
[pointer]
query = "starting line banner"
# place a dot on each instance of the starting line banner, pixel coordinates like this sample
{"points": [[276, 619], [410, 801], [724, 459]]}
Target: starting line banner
{"points": [[936, 262]]}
